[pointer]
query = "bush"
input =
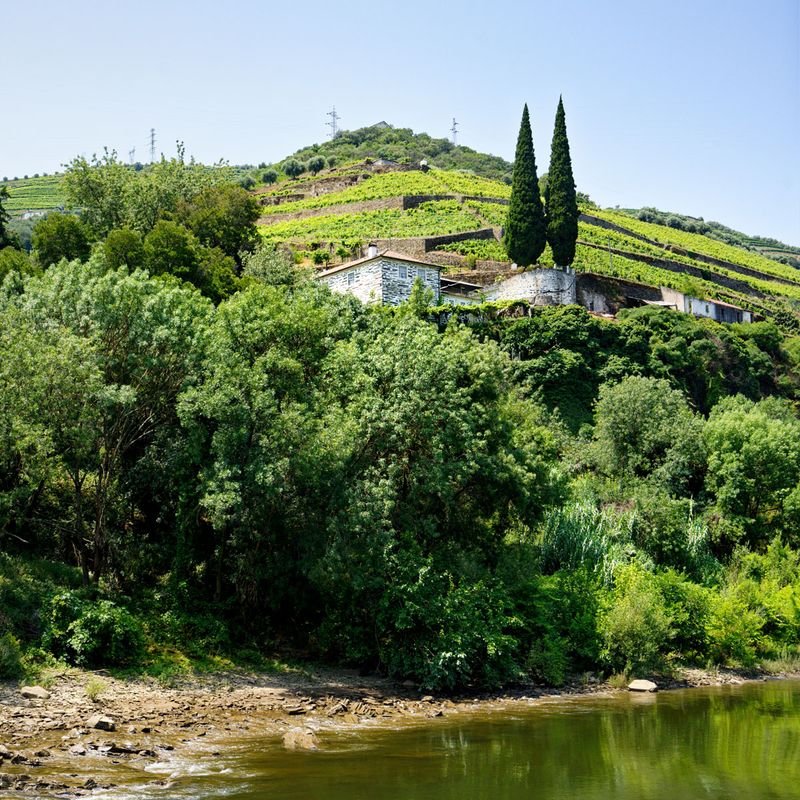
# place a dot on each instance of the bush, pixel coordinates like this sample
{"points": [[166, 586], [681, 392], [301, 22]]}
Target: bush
{"points": [[269, 177], [10, 657], [315, 164], [293, 168], [635, 624], [93, 634], [547, 660], [247, 182], [446, 636], [60, 236]]}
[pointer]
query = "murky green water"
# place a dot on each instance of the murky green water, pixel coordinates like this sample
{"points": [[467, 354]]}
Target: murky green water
{"points": [[723, 742]]}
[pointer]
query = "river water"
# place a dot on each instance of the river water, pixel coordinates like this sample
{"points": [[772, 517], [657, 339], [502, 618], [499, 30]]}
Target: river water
{"points": [[732, 743]]}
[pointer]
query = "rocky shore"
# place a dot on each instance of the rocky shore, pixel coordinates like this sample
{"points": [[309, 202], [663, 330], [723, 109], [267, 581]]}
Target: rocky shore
{"points": [[54, 740]]}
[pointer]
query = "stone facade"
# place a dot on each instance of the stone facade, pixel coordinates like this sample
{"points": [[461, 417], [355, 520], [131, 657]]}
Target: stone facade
{"points": [[384, 278], [540, 287]]}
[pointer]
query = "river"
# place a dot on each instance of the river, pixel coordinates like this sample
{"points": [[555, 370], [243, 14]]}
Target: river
{"points": [[732, 743]]}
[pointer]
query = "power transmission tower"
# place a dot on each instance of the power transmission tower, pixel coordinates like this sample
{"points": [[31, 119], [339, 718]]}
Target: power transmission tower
{"points": [[454, 130], [132, 155], [152, 145], [333, 124]]}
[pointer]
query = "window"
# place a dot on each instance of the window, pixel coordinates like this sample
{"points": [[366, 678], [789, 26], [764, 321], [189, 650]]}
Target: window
{"points": [[706, 308], [353, 277], [402, 273]]}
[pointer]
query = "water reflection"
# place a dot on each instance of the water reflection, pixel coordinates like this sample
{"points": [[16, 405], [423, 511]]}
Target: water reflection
{"points": [[736, 743]]}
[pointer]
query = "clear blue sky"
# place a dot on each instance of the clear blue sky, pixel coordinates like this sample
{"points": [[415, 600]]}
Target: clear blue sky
{"points": [[688, 106]]}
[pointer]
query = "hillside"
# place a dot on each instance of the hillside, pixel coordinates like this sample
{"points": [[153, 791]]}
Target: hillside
{"points": [[455, 219], [402, 145]]}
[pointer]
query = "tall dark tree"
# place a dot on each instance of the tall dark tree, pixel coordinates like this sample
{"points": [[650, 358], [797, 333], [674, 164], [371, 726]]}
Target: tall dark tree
{"points": [[525, 233], [7, 239], [561, 201]]}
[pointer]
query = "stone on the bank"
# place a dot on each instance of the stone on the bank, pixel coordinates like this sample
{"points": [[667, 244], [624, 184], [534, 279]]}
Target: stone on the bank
{"points": [[77, 750], [642, 686], [101, 723], [34, 692], [300, 739], [5, 752]]}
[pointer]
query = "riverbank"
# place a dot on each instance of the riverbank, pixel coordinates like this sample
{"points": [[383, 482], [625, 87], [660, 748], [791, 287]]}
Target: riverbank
{"points": [[88, 716]]}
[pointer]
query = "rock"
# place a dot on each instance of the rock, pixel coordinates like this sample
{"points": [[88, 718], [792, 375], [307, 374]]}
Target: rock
{"points": [[34, 692], [101, 723], [77, 750], [42, 754], [300, 739], [5, 752], [642, 686]]}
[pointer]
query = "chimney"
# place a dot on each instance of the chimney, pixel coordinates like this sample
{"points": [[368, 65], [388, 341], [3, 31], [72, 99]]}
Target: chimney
{"points": [[372, 251]]}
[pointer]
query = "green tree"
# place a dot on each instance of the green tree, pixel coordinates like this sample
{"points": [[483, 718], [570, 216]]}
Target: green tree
{"points": [[222, 216], [123, 247], [644, 427], [561, 206], [525, 230], [13, 260], [171, 249], [754, 465], [271, 265], [269, 177], [293, 167], [7, 239], [315, 164], [58, 236]]}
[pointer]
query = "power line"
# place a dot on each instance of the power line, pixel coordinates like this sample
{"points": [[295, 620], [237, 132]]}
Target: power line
{"points": [[333, 124], [454, 130]]}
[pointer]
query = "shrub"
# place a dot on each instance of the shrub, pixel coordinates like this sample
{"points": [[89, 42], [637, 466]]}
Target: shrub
{"points": [[93, 634], [293, 168], [247, 182], [547, 660], [634, 624], [315, 164], [269, 177], [10, 657]]}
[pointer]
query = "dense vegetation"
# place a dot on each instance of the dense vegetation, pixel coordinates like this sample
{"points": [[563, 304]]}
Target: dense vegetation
{"points": [[404, 146], [205, 452]]}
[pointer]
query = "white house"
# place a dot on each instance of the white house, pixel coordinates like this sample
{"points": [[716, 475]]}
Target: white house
{"points": [[710, 309], [383, 277]]}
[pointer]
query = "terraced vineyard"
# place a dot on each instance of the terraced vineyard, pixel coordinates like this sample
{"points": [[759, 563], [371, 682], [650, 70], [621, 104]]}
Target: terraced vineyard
{"points": [[669, 257], [35, 194], [429, 219]]}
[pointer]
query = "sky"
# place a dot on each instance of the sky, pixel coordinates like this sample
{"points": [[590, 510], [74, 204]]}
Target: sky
{"points": [[687, 106]]}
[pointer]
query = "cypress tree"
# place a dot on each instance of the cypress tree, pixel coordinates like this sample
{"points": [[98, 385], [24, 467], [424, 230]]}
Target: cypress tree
{"points": [[525, 233], [561, 202]]}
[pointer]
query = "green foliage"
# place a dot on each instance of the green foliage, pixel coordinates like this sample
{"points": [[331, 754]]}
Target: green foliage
{"points": [[293, 167], [269, 177], [561, 206], [60, 236], [754, 465], [10, 657], [443, 635], [525, 231], [547, 660], [7, 239], [113, 195], [634, 622], [644, 427], [271, 265], [315, 164], [13, 260], [222, 216], [171, 249], [123, 247], [92, 633], [405, 146]]}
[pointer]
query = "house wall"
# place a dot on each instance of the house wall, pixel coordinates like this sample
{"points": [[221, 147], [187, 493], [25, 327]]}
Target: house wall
{"points": [[458, 299], [540, 287], [398, 280], [366, 285]]}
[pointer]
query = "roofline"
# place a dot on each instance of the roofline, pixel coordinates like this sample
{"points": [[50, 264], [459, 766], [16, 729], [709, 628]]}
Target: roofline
{"points": [[381, 254]]}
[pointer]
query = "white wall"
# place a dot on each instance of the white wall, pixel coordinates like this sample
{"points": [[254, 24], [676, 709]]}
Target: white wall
{"points": [[541, 287]]}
